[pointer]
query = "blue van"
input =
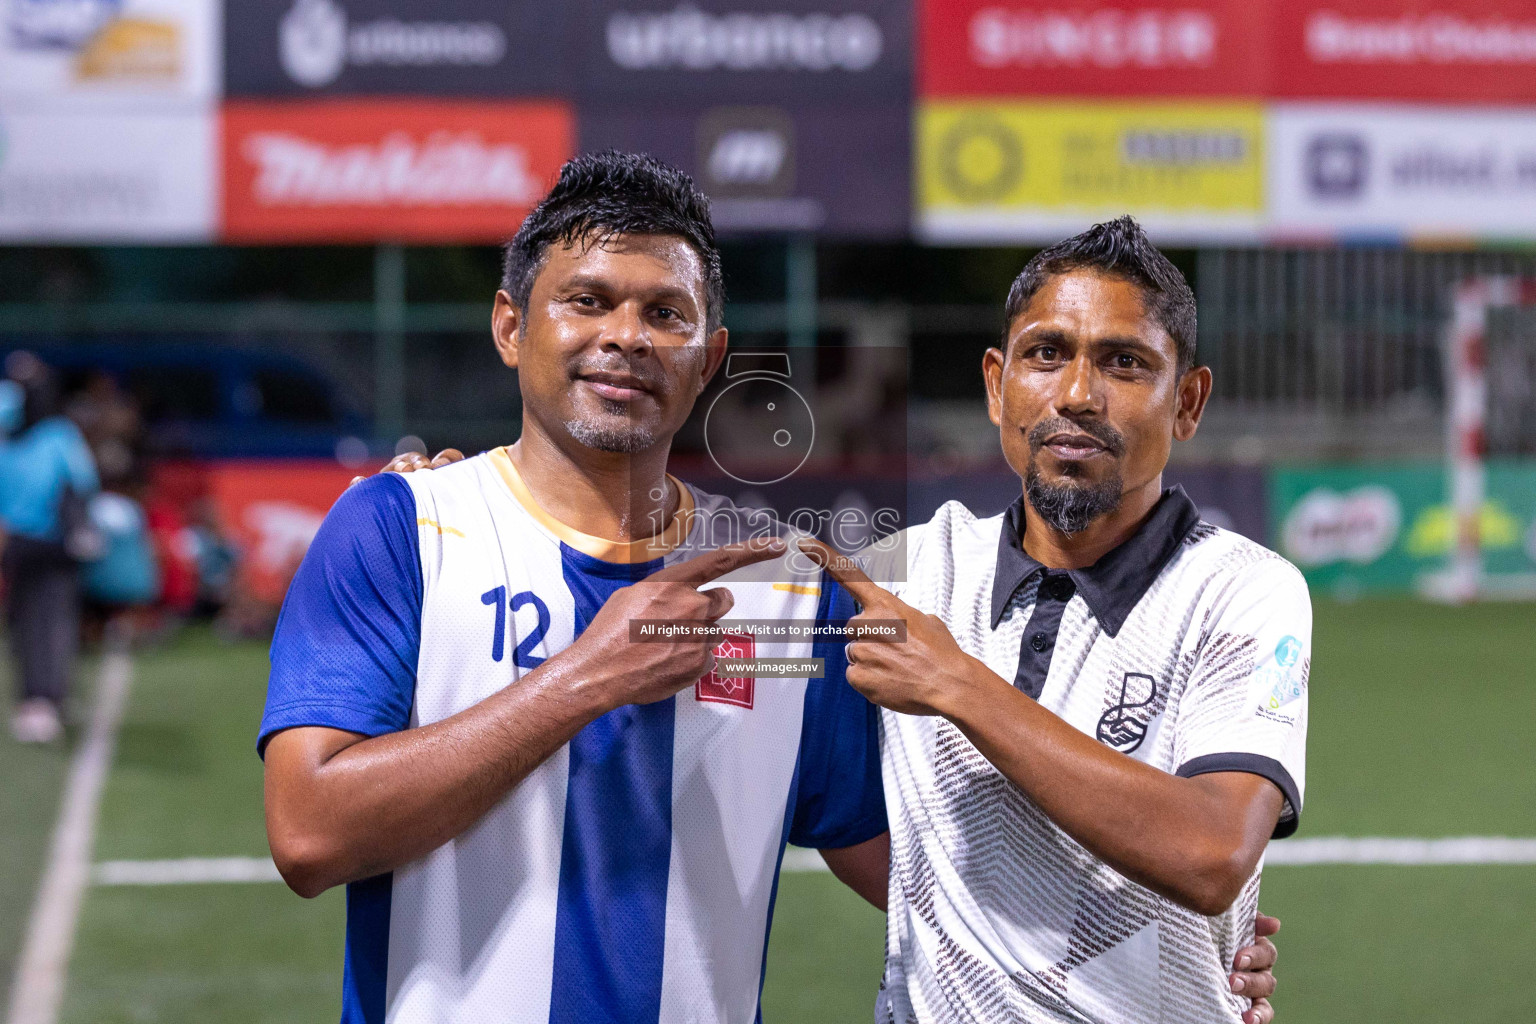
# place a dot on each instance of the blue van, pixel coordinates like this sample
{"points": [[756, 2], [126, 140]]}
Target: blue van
{"points": [[200, 397]]}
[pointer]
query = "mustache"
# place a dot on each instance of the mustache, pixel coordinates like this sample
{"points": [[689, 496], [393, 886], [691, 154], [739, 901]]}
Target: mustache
{"points": [[650, 375], [1112, 440]]}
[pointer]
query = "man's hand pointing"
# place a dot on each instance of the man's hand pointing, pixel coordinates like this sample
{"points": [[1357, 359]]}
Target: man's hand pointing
{"points": [[923, 675]]}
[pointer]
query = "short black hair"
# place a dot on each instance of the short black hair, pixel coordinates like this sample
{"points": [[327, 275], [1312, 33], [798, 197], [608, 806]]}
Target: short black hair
{"points": [[1119, 248], [603, 195]]}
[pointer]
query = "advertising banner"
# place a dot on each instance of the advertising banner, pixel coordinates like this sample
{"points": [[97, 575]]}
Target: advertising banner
{"points": [[399, 170], [836, 170], [1375, 170], [273, 510], [814, 52], [977, 48], [1475, 51], [1353, 528], [447, 47], [72, 175], [1036, 171], [93, 51], [792, 117]]}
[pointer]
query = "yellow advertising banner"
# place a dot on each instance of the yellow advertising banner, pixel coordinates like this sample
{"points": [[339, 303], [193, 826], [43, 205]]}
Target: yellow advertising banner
{"points": [[1055, 158]]}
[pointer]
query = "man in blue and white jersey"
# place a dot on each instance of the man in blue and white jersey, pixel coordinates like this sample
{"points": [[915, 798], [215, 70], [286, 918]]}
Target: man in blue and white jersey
{"points": [[537, 819]]}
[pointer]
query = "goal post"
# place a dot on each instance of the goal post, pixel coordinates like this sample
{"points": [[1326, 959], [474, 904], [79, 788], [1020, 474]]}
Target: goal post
{"points": [[1466, 348]]}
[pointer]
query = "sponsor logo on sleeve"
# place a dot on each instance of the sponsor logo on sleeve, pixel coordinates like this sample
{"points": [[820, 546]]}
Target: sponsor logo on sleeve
{"points": [[1285, 680]]}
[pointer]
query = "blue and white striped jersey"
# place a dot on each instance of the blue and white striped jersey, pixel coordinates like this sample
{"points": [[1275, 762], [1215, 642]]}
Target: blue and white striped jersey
{"points": [[629, 878]]}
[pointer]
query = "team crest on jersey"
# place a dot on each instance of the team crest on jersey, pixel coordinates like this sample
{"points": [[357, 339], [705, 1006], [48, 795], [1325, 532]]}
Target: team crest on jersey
{"points": [[717, 689], [1124, 725]]}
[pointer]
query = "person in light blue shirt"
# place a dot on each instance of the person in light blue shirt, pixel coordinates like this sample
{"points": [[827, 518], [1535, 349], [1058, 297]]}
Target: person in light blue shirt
{"points": [[46, 470], [126, 574]]}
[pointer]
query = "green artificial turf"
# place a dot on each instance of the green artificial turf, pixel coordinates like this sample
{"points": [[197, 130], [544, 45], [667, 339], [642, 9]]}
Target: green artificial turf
{"points": [[31, 782], [1419, 722]]}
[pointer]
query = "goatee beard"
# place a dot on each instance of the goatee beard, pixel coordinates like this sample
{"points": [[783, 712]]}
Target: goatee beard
{"points": [[626, 440], [1071, 507]]}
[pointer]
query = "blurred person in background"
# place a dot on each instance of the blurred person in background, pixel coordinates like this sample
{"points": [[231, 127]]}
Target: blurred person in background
{"points": [[47, 477], [109, 419], [216, 556], [126, 577]]}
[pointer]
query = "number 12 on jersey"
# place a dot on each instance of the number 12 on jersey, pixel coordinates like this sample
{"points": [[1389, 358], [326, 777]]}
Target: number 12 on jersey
{"points": [[522, 655]]}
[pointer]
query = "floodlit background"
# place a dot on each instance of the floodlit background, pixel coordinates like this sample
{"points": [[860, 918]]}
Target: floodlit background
{"points": [[256, 243]]}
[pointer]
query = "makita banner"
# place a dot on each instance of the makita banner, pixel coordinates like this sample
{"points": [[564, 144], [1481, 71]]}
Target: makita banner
{"points": [[977, 48], [839, 170], [447, 47], [1476, 51], [401, 170]]}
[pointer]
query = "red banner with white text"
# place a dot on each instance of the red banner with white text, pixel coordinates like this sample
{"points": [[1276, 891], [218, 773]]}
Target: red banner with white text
{"points": [[403, 170]]}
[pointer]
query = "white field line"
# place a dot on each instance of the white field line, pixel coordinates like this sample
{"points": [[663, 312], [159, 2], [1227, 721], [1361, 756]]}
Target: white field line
{"points": [[190, 871], [1322, 850], [1457, 850], [38, 988]]}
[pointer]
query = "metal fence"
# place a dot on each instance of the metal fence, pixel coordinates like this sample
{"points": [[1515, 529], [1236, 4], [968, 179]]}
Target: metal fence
{"points": [[1317, 352], [1333, 351]]}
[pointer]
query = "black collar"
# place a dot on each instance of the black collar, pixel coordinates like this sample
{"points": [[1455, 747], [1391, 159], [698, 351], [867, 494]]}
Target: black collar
{"points": [[1114, 583]]}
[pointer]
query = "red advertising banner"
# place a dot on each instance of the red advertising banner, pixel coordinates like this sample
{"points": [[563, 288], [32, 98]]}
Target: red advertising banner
{"points": [[272, 509], [1472, 51], [981, 48], [397, 170]]}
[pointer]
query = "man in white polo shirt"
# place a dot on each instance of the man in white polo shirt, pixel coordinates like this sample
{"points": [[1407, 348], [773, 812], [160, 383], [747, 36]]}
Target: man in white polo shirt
{"points": [[1098, 718]]}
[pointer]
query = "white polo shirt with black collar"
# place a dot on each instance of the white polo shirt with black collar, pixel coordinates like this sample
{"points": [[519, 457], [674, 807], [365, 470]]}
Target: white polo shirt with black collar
{"points": [[1186, 648]]}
